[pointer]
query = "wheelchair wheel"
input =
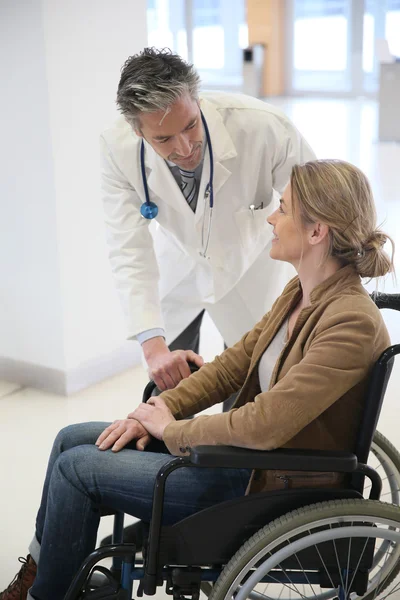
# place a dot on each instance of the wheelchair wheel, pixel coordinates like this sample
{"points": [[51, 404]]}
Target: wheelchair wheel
{"points": [[318, 552], [385, 459]]}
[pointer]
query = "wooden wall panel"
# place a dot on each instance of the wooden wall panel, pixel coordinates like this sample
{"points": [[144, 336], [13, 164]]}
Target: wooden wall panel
{"points": [[266, 25]]}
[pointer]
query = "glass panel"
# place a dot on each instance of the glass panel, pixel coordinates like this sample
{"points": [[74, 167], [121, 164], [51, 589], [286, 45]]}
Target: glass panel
{"points": [[320, 35], [327, 39], [208, 35], [373, 30], [219, 34], [392, 26], [166, 25], [320, 48], [369, 37]]}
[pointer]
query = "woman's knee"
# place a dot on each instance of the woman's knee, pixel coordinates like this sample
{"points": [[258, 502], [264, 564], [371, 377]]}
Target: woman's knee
{"points": [[78, 434], [76, 466]]}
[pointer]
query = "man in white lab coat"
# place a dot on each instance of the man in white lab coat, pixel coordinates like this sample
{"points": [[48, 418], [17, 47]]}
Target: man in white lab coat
{"points": [[192, 151], [173, 155]]}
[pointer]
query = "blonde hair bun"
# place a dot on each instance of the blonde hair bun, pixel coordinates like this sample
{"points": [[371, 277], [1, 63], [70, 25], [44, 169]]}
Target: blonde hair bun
{"points": [[373, 261], [338, 194]]}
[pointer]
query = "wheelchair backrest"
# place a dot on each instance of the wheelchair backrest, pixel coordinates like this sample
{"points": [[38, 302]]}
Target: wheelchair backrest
{"points": [[373, 403], [378, 382]]}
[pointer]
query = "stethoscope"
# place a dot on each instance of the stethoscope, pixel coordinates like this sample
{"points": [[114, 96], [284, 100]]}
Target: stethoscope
{"points": [[149, 210]]}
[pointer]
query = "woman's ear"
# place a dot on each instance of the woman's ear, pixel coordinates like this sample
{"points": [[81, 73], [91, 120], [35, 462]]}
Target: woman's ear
{"points": [[318, 233]]}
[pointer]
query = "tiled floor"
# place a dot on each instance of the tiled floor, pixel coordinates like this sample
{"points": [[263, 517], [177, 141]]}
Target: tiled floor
{"points": [[30, 418]]}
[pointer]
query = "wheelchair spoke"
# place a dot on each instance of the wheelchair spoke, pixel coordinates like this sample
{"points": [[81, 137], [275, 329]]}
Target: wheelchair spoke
{"points": [[388, 493], [264, 593], [358, 564], [392, 591], [323, 562], [337, 561], [301, 568], [306, 576], [378, 586], [285, 585], [348, 563], [291, 582], [386, 461], [255, 595]]}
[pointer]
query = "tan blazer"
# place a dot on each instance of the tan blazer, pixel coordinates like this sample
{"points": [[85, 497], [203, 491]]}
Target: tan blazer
{"points": [[317, 388]]}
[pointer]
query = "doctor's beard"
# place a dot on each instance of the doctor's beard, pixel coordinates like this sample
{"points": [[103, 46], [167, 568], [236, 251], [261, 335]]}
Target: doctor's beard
{"points": [[188, 164]]}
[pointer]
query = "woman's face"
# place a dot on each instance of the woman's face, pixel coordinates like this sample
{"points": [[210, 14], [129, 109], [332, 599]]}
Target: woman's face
{"points": [[290, 242]]}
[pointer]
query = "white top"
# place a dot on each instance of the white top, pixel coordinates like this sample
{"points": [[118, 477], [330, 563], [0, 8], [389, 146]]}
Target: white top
{"points": [[268, 360]]}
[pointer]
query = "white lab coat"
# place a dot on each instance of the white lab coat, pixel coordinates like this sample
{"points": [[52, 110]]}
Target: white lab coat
{"points": [[162, 279]]}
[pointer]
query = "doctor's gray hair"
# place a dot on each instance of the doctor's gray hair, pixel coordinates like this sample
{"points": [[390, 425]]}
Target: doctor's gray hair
{"points": [[153, 80], [338, 194]]}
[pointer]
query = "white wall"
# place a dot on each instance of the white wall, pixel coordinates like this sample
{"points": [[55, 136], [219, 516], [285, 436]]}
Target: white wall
{"points": [[31, 320], [86, 44], [62, 60]]}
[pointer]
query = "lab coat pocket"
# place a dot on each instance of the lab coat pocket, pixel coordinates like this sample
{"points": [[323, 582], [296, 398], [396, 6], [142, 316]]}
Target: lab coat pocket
{"points": [[173, 260], [254, 231]]}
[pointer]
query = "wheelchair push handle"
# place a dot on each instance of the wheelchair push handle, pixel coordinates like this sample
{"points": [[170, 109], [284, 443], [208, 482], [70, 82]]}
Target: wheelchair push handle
{"points": [[151, 388], [383, 300]]}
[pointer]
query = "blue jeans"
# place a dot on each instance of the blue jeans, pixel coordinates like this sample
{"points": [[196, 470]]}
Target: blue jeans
{"points": [[81, 478]]}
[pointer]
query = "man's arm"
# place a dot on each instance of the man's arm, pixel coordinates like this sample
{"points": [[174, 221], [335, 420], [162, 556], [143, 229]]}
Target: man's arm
{"points": [[135, 269], [292, 149], [217, 380], [131, 252]]}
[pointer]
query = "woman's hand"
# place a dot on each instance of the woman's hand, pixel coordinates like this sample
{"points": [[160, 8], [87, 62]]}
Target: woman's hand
{"points": [[120, 433], [154, 415]]}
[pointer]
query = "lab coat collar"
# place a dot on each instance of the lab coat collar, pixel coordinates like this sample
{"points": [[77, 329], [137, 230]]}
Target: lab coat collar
{"points": [[222, 145], [223, 150]]}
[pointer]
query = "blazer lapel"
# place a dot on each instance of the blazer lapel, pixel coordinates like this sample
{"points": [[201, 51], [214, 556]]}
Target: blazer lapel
{"points": [[252, 380]]}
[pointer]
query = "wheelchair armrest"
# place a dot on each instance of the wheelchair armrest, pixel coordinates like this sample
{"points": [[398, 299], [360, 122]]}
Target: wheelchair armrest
{"points": [[282, 459]]}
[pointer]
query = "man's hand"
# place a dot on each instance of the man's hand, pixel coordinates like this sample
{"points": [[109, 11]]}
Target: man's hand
{"points": [[168, 368], [120, 433], [154, 415]]}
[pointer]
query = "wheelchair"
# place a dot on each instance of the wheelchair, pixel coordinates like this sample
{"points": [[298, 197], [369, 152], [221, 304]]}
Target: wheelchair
{"points": [[291, 543]]}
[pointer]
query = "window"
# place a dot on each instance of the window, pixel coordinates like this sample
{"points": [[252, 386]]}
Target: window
{"points": [[392, 26], [209, 33], [334, 44], [320, 48]]}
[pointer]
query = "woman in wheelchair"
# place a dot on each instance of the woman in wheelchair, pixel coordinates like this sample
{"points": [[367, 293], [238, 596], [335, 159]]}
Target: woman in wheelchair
{"points": [[301, 372]]}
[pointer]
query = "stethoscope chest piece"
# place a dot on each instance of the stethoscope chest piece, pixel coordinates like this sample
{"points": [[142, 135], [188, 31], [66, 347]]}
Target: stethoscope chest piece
{"points": [[149, 210]]}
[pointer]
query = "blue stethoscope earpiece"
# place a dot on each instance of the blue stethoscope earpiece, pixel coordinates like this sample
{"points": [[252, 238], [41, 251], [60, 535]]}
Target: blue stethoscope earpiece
{"points": [[149, 210]]}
